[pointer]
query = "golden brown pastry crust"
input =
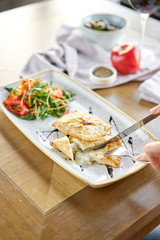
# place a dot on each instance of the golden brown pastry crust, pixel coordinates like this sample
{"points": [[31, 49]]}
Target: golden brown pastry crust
{"points": [[88, 145], [111, 161], [99, 155], [109, 147], [86, 131], [82, 125], [63, 145]]}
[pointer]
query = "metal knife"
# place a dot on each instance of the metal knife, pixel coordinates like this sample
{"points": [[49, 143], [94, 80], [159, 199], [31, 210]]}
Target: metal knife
{"points": [[129, 130]]}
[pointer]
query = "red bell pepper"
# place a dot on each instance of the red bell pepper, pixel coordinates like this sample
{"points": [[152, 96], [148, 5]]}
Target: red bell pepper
{"points": [[126, 58], [16, 106]]}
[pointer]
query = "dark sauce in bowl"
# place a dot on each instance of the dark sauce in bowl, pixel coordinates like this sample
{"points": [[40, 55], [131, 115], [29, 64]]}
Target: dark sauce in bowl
{"points": [[102, 72]]}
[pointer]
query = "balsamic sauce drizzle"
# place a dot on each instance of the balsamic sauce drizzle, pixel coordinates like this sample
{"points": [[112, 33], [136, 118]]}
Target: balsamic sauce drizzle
{"points": [[50, 132], [114, 122], [110, 171], [81, 168], [110, 122], [130, 141], [90, 110]]}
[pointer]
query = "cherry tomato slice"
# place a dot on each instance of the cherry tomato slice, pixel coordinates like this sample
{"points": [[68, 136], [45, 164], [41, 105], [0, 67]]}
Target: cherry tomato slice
{"points": [[57, 92], [16, 106]]}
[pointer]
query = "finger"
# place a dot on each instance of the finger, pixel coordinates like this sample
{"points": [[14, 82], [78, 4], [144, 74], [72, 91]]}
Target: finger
{"points": [[152, 148], [142, 157], [155, 161], [155, 110]]}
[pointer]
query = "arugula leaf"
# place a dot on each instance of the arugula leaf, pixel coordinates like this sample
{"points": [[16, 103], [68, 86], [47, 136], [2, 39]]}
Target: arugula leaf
{"points": [[8, 89]]}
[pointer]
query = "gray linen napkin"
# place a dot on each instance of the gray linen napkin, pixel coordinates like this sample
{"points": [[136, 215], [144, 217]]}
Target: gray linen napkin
{"points": [[76, 56]]}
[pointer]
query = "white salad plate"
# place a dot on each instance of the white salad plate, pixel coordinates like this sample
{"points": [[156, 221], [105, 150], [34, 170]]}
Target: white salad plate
{"points": [[41, 132]]}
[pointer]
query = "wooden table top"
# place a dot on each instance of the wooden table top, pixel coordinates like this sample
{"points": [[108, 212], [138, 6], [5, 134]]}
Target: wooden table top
{"points": [[40, 200]]}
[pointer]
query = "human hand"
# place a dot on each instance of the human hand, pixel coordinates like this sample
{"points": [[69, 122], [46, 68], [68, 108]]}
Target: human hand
{"points": [[152, 150], [155, 110], [151, 154]]}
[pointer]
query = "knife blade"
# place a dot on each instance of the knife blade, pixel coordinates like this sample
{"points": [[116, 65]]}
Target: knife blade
{"points": [[129, 130]]}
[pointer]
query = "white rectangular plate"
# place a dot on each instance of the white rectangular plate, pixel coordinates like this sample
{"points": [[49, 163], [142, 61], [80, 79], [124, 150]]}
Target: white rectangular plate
{"points": [[41, 132]]}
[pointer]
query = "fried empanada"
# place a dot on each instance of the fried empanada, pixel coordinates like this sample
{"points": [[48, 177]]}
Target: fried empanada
{"points": [[82, 125], [88, 145], [109, 147], [99, 155], [111, 161], [63, 145]]}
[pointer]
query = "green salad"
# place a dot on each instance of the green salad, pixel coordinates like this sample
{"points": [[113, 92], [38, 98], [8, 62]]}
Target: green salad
{"points": [[36, 99]]}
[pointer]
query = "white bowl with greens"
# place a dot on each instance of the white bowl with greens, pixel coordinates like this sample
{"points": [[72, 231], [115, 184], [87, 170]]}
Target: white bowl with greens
{"points": [[106, 30]]}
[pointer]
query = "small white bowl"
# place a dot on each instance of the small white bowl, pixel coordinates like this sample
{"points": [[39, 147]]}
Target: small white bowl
{"points": [[107, 39], [97, 74]]}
